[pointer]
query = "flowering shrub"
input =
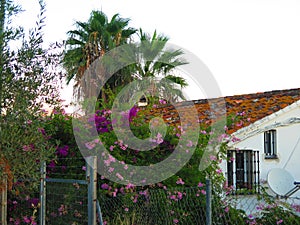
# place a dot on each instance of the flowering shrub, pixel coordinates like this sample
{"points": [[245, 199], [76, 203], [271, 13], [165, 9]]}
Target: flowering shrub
{"points": [[181, 198]]}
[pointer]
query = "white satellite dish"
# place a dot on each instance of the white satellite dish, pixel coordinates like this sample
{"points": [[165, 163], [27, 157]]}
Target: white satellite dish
{"points": [[282, 182]]}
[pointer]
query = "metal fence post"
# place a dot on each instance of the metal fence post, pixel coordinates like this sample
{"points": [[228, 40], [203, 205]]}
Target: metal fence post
{"points": [[208, 202], [43, 194], [92, 189], [3, 199]]}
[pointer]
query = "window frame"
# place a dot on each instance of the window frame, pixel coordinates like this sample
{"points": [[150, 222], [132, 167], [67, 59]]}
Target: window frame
{"points": [[243, 171], [270, 144]]}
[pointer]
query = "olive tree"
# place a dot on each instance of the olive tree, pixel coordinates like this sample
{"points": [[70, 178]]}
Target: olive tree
{"points": [[29, 82]]}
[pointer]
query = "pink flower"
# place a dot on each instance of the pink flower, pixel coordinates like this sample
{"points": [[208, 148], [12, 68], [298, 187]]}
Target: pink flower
{"points": [[203, 192], [200, 184], [240, 124], [26, 219], [135, 199], [219, 171], [126, 209], [180, 181], [279, 222], [90, 145], [17, 221], [145, 193], [213, 157], [175, 221], [115, 193], [235, 139], [129, 186], [26, 148], [227, 209], [189, 144], [173, 197], [179, 195], [119, 176], [105, 186], [162, 101]]}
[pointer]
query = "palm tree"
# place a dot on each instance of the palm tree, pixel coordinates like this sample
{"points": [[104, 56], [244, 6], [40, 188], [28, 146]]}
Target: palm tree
{"points": [[91, 40], [157, 62]]}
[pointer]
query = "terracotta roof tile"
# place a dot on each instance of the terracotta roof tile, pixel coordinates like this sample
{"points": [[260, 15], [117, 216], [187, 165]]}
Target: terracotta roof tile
{"points": [[255, 106]]}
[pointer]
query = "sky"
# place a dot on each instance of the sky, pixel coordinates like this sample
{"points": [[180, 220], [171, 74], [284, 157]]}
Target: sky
{"points": [[248, 45]]}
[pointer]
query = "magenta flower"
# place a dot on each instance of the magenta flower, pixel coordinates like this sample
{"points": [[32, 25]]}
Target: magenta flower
{"points": [[26, 148], [213, 157], [130, 186], [133, 112], [189, 144], [63, 151], [90, 145], [180, 181], [52, 164], [105, 186], [219, 171], [119, 176], [179, 195], [200, 184], [26, 219], [279, 222], [33, 202]]}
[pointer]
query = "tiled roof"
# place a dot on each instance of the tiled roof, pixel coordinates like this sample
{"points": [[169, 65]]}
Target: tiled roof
{"points": [[254, 106]]}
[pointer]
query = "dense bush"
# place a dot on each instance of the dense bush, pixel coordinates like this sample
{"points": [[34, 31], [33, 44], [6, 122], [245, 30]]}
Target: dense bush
{"points": [[180, 199]]}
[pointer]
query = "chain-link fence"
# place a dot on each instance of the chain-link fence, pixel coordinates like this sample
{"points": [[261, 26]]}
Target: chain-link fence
{"points": [[65, 196], [191, 206], [180, 206], [67, 203]]}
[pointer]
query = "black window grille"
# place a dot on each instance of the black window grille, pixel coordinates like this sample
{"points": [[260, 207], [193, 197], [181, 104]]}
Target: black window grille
{"points": [[243, 171]]}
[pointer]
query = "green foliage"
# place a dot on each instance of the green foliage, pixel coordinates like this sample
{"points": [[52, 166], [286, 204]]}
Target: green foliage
{"points": [[28, 82]]}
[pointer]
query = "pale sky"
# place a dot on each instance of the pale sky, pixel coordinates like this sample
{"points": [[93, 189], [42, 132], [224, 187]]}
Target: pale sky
{"points": [[248, 45]]}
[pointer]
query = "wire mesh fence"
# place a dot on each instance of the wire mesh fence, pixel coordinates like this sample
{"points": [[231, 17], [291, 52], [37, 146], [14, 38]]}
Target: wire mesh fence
{"points": [[67, 203], [180, 206], [66, 192], [187, 206]]}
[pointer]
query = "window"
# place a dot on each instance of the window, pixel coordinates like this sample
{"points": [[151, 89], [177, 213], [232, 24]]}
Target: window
{"points": [[270, 147], [243, 170]]}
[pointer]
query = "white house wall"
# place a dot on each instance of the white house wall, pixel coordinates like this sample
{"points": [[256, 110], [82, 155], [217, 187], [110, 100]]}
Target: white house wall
{"points": [[288, 142]]}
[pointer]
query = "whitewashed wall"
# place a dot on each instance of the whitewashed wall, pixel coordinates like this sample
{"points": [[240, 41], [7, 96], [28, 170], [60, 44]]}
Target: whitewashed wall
{"points": [[288, 142]]}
